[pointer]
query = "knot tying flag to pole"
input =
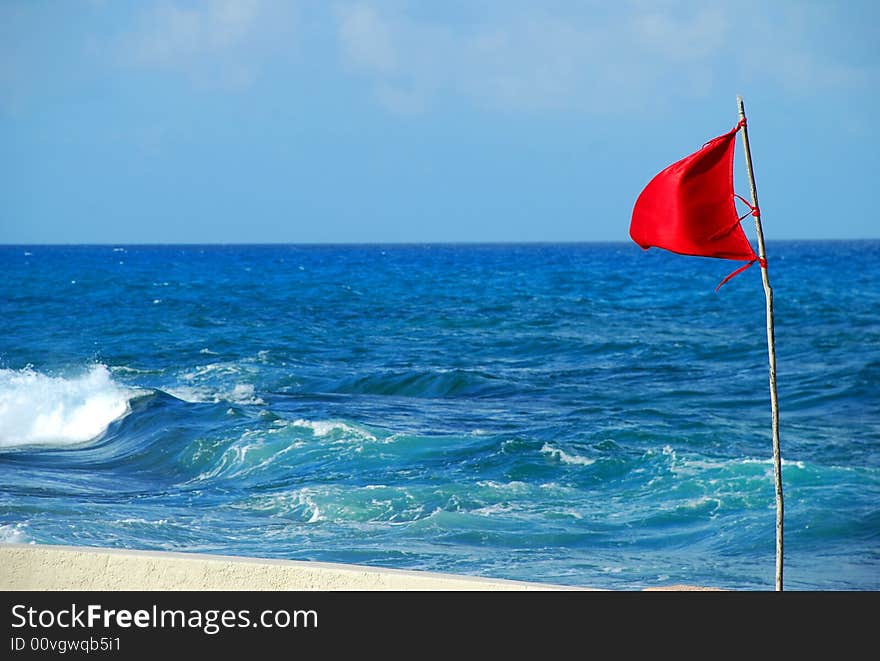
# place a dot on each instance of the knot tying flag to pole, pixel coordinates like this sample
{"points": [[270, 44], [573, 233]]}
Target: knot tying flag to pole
{"points": [[754, 211], [729, 276]]}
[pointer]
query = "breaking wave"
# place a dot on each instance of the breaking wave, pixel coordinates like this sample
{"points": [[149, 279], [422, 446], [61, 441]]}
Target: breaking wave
{"points": [[38, 409]]}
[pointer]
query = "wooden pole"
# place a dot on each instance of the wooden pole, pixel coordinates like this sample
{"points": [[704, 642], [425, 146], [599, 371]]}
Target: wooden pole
{"points": [[771, 350]]}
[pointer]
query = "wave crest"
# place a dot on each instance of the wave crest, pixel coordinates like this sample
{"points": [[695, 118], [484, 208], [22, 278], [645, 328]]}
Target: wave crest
{"points": [[565, 457], [37, 409]]}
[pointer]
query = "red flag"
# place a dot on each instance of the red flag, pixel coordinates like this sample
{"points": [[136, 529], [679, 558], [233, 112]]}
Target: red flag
{"points": [[688, 208]]}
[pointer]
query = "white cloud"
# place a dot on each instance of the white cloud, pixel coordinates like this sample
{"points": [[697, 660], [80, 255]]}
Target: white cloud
{"points": [[604, 58], [700, 35], [170, 34], [400, 100], [216, 41], [514, 55], [531, 60], [365, 40], [796, 49]]}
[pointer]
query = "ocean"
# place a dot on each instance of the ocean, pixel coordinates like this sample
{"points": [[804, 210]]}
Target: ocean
{"points": [[578, 414]]}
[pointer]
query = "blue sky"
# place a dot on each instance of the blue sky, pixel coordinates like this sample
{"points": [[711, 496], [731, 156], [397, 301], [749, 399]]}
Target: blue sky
{"points": [[384, 121]]}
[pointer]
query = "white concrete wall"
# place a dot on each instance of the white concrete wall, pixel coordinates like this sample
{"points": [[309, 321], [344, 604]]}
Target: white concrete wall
{"points": [[37, 567]]}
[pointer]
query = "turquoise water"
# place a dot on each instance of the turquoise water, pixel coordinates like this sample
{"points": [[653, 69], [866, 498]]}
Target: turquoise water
{"points": [[580, 414]]}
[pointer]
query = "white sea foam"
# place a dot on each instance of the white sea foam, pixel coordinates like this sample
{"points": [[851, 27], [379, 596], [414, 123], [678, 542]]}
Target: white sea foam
{"points": [[513, 485], [494, 509], [572, 512], [211, 383], [326, 427], [37, 409], [564, 457], [241, 393], [125, 369], [212, 370], [14, 534], [302, 500], [316, 515], [769, 462]]}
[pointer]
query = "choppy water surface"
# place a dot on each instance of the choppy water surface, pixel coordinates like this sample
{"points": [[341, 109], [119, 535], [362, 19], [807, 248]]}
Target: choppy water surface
{"points": [[579, 414]]}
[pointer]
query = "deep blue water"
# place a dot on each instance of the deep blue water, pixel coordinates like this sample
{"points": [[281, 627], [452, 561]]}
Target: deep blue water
{"points": [[581, 414]]}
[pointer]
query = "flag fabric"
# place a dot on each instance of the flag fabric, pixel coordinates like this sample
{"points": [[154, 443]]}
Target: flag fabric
{"points": [[688, 208]]}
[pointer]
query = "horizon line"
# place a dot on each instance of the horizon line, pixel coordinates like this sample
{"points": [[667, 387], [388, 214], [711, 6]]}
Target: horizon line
{"points": [[383, 243]]}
